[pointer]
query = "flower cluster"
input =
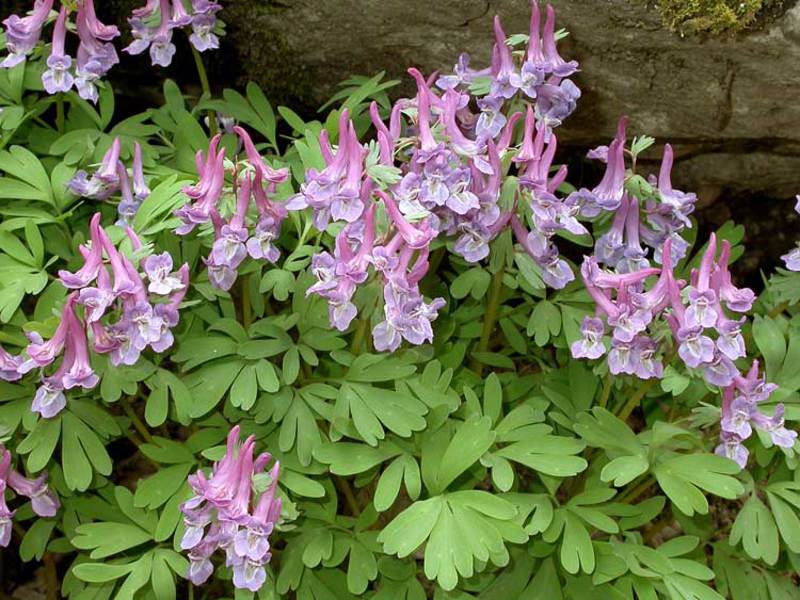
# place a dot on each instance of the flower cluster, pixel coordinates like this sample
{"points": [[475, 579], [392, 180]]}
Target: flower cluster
{"points": [[665, 212], [740, 412], [111, 177], [43, 501], [152, 26], [792, 258], [448, 167], [236, 235], [95, 57], [122, 316], [226, 513], [706, 337]]}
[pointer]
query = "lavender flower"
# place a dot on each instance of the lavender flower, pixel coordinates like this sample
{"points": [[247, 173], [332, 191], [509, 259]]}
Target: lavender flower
{"points": [[57, 77], [43, 501], [227, 513], [23, 33], [792, 258]]}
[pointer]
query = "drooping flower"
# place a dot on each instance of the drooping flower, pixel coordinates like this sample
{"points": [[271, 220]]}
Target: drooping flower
{"points": [[227, 513], [57, 77], [43, 501], [23, 33]]}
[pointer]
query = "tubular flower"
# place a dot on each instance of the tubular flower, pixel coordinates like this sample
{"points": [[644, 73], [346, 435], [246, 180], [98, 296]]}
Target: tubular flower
{"points": [[43, 501], [236, 234], [23, 33], [145, 318], [228, 513]]}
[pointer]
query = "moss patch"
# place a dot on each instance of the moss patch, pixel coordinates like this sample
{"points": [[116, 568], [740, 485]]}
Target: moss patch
{"points": [[715, 16]]}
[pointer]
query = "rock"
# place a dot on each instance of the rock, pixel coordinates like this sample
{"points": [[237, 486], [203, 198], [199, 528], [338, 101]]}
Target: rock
{"points": [[728, 102]]}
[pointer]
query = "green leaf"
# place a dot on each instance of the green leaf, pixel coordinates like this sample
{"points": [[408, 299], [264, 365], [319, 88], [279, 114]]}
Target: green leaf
{"points": [[683, 477], [411, 528], [346, 458], [549, 454], [471, 440], [100, 572], [35, 541], [577, 553], [107, 539], [755, 528], [244, 389], [160, 487], [771, 342], [388, 485]]}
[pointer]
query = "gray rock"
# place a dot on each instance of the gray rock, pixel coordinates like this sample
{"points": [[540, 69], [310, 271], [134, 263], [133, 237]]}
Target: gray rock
{"points": [[729, 103]]}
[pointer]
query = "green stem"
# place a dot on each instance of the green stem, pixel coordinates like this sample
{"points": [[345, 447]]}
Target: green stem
{"points": [[360, 334], [630, 496], [606, 391], [60, 113], [247, 309], [137, 422], [777, 310], [201, 72], [636, 398], [349, 496], [489, 318], [50, 577]]}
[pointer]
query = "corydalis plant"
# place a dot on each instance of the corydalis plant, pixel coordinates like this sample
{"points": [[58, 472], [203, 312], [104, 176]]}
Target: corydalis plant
{"points": [[95, 57], [250, 224], [233, 510], [43, 501], [152, 26], [130, 307], [111, 177], [446, 176]]}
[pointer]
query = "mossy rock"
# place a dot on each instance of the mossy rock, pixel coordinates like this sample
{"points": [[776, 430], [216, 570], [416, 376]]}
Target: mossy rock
{"points": [[717, 16]]}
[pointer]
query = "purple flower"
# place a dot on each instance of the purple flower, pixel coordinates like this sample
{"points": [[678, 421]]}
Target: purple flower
{"points": [[792, 258], [591, 343], [9, 366], [735, 299], [721, 371], [23, 33], [95, 58], [695, 348], [681, 203], [41, 353], [57, 77], [203, 37], [621, 358], [103, 182], [731, 447], [644, 357], [158, 268], [502, 64], [49, 399], [43, 501], [608, 194], [556, 100], [219, 516], [140, 189], [229, 248], [730, 341], [701, 309], [206, 193], [261, 243], [782, 437], [552, 60]]}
